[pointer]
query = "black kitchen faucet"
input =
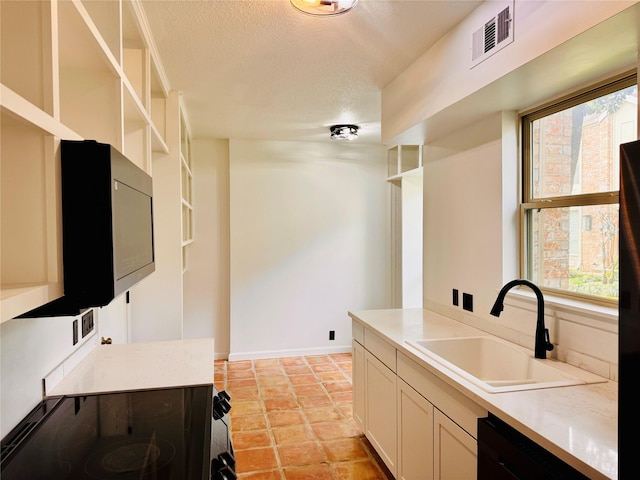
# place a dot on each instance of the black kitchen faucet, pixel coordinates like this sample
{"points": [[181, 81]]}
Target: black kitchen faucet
{"points": [[543, 345]]}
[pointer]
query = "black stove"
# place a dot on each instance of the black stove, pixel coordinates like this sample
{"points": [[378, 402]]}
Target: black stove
{"points": [[163, 434]]}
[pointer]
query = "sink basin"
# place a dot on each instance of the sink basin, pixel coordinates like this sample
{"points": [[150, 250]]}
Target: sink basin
{"points": [[496, 365]]}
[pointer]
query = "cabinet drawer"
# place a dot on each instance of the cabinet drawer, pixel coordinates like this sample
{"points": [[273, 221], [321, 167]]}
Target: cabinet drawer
{"points": [[357, 332], [443, 396], [385, 352]]}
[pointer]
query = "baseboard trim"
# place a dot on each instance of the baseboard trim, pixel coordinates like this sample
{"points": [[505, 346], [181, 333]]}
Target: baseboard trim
{"points": [[288, 353]]}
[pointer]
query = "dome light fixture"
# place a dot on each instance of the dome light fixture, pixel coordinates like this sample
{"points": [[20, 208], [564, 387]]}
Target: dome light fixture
{"points": [[344, 132], [324, 8]]}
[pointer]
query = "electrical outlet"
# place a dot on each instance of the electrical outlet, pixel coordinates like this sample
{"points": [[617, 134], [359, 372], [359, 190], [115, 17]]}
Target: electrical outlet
{"points": [[467, 301], [87, 323], [332, 334], [75, 331], [456, 302]]}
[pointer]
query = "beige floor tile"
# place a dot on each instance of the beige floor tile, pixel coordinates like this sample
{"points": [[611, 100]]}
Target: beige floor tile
{"points": [[309, 472], [296, 454], [358, 470], [250, 407], [297, 369], [333, 430], [280, 404], [293, 361], [303, 405], [244, 423], [292, 434], [283, 418], [315, 401], [344, 449], [323, 414], [251, 439], [255, 459], [277, 391]]}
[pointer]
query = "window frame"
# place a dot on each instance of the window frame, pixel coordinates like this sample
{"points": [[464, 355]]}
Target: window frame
{"points": [[528, 202]]}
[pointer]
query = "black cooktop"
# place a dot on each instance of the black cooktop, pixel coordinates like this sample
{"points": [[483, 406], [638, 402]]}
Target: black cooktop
{"points": [[152, 434]]}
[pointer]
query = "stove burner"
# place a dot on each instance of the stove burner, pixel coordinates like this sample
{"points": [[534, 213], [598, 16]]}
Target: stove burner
{"points": [[148, 409], [131, 459]]}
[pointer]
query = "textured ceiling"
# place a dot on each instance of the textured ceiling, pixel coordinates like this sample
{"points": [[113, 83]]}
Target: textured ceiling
{"points": [[260, 69]]}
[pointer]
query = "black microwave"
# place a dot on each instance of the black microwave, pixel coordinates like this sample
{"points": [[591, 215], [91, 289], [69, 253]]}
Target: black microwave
{"points": [[107, 226]]}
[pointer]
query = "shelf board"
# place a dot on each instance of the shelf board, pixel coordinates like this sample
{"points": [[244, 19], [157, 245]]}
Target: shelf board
{"points": [[409, 173], [157, 142], [18, 299], [26, 111], [134, 110]]}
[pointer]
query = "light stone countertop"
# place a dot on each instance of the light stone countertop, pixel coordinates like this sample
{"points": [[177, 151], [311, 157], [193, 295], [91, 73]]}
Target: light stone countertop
{"points": [[140, 366], [579, 424]]}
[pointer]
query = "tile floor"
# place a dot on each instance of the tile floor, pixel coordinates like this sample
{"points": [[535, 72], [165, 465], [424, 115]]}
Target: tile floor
{"points": [[291, 419]]}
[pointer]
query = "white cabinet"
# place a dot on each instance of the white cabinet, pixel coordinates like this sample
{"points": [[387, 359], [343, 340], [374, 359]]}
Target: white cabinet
{"points": [[380, 400], [374, 393], [455, 451], [422, 428], [358, 390], [415, 435]]}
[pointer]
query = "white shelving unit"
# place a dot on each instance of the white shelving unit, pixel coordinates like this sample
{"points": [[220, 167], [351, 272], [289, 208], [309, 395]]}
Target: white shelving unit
{"points": [[69, 70], [186, 190], [404, 169], [403, 159]]}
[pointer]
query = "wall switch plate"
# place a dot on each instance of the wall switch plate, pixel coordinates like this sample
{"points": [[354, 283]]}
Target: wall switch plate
{"points": [[87, 323], [75, 331], [455, 300], [467, 301], [332, 334]]}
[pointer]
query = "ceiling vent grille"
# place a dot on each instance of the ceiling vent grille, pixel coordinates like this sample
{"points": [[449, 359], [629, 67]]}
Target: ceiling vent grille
{"points": [[494, 35]]}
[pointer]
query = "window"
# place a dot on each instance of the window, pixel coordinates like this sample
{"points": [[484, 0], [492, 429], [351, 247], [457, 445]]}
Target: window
{"points": [[571, 190]]}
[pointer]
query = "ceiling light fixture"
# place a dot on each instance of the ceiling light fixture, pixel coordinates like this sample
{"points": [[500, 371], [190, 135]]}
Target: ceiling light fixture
{"points": [[324, 8], [344, 132]]}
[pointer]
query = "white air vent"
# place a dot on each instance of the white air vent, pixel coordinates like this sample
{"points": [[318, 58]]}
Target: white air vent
{"points": [[495, 34]]}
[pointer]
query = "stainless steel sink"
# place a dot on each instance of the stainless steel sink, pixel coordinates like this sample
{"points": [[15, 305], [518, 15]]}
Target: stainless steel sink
{"points": [[496, 365]]}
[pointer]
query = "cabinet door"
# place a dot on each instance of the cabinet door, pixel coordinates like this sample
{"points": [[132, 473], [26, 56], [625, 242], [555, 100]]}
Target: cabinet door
{"points": [[358, 382], [455, 451], [380, 407], [415, 435]]}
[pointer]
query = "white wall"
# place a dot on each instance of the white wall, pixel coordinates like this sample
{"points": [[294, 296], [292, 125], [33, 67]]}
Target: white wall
{"points": [[156, 302], [29, 349], [112, 321], [309, 241], [440, 91], [462, 222], [412, 240], [206, 280]]}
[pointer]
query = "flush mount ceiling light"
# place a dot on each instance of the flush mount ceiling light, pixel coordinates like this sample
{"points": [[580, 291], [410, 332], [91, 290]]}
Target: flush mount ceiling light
{"points": [[344, 132], [324, 7]]}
